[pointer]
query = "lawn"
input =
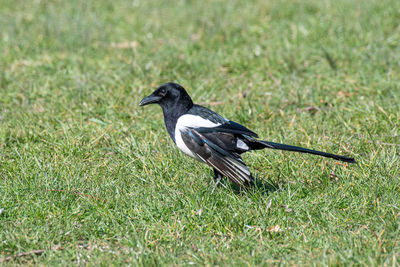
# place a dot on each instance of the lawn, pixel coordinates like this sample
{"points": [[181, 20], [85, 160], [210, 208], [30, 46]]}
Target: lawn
{"points": [[88, 177]]}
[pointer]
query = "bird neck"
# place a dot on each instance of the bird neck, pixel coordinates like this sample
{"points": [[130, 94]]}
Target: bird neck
{"points": [[172, 114]]}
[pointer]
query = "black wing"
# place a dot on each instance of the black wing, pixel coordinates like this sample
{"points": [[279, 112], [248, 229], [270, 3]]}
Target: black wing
{"points": [[207, 114], [219, 153], [229, 127], [226, 125]]}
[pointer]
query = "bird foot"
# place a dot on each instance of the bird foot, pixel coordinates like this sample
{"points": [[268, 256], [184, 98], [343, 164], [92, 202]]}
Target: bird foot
{"points": [[217, 180]]}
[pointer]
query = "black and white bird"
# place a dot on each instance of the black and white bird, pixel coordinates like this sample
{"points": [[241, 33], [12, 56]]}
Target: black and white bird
{"points": [[210, 138]]}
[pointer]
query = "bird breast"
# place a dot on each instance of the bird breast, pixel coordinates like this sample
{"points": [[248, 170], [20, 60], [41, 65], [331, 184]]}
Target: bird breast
{"points": [[186, 122]]}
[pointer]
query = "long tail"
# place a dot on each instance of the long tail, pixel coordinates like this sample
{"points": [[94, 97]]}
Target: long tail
{"points": [[259, 144]]}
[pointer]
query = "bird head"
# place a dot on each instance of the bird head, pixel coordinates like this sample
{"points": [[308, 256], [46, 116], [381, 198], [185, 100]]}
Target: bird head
{"points": [[167, 96]]}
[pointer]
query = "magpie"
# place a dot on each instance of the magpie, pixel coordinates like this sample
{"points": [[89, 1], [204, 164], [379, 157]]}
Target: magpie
{"points": [[210, 138]]}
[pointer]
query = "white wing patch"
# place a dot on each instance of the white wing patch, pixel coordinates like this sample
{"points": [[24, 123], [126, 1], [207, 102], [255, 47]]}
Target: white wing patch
{"points": [[190, 121], [242, 145], [194, 121]]}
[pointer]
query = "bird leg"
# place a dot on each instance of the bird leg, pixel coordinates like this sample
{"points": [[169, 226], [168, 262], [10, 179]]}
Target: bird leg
{"points": [[217, 176], [217, 179]]}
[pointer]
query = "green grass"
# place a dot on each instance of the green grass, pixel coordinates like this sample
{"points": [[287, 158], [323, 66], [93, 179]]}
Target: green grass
{"points": [[90, 178]]}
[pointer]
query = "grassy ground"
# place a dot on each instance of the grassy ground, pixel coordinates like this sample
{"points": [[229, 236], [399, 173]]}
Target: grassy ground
{"points": [[88, 177]]}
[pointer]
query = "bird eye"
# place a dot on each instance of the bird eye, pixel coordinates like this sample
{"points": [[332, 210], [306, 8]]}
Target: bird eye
{"points": [[163, 92]]}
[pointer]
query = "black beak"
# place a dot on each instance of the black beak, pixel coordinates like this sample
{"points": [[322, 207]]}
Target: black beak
{"points": [[151, 99]]}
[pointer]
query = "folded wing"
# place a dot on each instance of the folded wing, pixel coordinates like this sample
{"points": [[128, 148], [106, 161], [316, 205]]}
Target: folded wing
{"points": [[218, 149]]}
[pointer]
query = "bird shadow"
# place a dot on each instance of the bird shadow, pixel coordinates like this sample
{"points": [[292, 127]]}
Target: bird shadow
{"points": [[265, 187], [258, 186]]}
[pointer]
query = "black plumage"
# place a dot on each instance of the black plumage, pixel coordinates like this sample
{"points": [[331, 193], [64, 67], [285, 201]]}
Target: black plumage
{"points": [[210, 138]]}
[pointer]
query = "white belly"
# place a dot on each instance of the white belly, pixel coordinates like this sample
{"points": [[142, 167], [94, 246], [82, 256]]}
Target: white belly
{"points": [[189, 121]]}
